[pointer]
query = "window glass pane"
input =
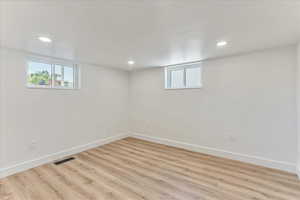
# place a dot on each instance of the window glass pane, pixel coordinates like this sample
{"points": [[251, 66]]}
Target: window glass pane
{"points": [[58, 75], [39, 74], [68, 77], [193, 77], [177, 78]]}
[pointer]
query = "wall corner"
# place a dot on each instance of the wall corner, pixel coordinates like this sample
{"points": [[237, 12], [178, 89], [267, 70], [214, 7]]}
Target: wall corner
{"points": [[298, 108]]}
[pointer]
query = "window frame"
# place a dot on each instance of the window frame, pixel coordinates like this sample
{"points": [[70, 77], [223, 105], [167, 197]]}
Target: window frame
{"points": [[53, 64], [184, 67]]}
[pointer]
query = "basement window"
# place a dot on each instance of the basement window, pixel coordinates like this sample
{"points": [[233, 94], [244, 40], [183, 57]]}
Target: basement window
{"points": [[183, 76], [52, 75]]}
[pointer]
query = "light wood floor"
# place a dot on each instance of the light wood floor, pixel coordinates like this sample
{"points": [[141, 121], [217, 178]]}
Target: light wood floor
{"points": [[135, 169]]}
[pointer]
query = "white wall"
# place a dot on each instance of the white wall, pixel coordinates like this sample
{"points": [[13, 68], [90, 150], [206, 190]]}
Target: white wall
{"points": [[1, 109], [298, 107], [247, 106], [60, 119], [1, 90]]}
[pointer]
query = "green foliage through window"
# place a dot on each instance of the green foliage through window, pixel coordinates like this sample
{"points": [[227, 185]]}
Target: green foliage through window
{"points": [[40, 78]]}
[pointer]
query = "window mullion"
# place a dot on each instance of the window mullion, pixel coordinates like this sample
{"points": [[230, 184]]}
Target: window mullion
{"points": [[184, 77], [52, 75], [75, 76], [63, 76], [170, 78]]}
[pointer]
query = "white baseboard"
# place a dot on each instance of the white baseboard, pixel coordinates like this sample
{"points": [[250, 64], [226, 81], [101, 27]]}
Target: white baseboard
{"points": [[289, 167], [4, 172], [285, 166]]}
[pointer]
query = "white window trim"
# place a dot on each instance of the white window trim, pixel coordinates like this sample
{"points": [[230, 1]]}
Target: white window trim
{"points": [[183, 67], [76, 82]]}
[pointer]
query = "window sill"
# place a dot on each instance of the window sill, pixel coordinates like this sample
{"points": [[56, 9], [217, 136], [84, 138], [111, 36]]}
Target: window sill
{"points": [[49, 88], [183, 88]]}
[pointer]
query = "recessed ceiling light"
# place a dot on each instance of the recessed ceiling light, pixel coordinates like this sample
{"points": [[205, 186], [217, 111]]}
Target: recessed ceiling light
{"points": [[131, 62], [221, 43], [45, 39]]}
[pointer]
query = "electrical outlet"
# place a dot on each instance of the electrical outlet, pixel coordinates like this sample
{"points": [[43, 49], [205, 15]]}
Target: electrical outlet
{"points": [[232, 138], [32, 146]]}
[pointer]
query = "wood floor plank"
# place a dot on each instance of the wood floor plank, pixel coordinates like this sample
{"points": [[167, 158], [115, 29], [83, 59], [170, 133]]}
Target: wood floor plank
{"points": [[93, 189], [233, 181], [212, 168], [152, 178], [193, 156], [234, 177], [129, 178], [149, 182], [134, 169], [6, 192], [105, 180], [41, 184]]}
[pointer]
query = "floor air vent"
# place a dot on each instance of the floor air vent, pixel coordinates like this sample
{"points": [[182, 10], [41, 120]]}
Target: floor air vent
{"points": [[59, 162]]}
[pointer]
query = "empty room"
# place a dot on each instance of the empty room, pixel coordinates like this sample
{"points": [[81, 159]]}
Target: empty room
{"points": [[149, 100]]}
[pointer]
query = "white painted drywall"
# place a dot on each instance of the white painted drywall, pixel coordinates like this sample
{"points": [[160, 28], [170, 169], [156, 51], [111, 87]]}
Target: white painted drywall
{"points": [[298, 107], [60, 119], [1, 109], [1, 90], [247, 106]]}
